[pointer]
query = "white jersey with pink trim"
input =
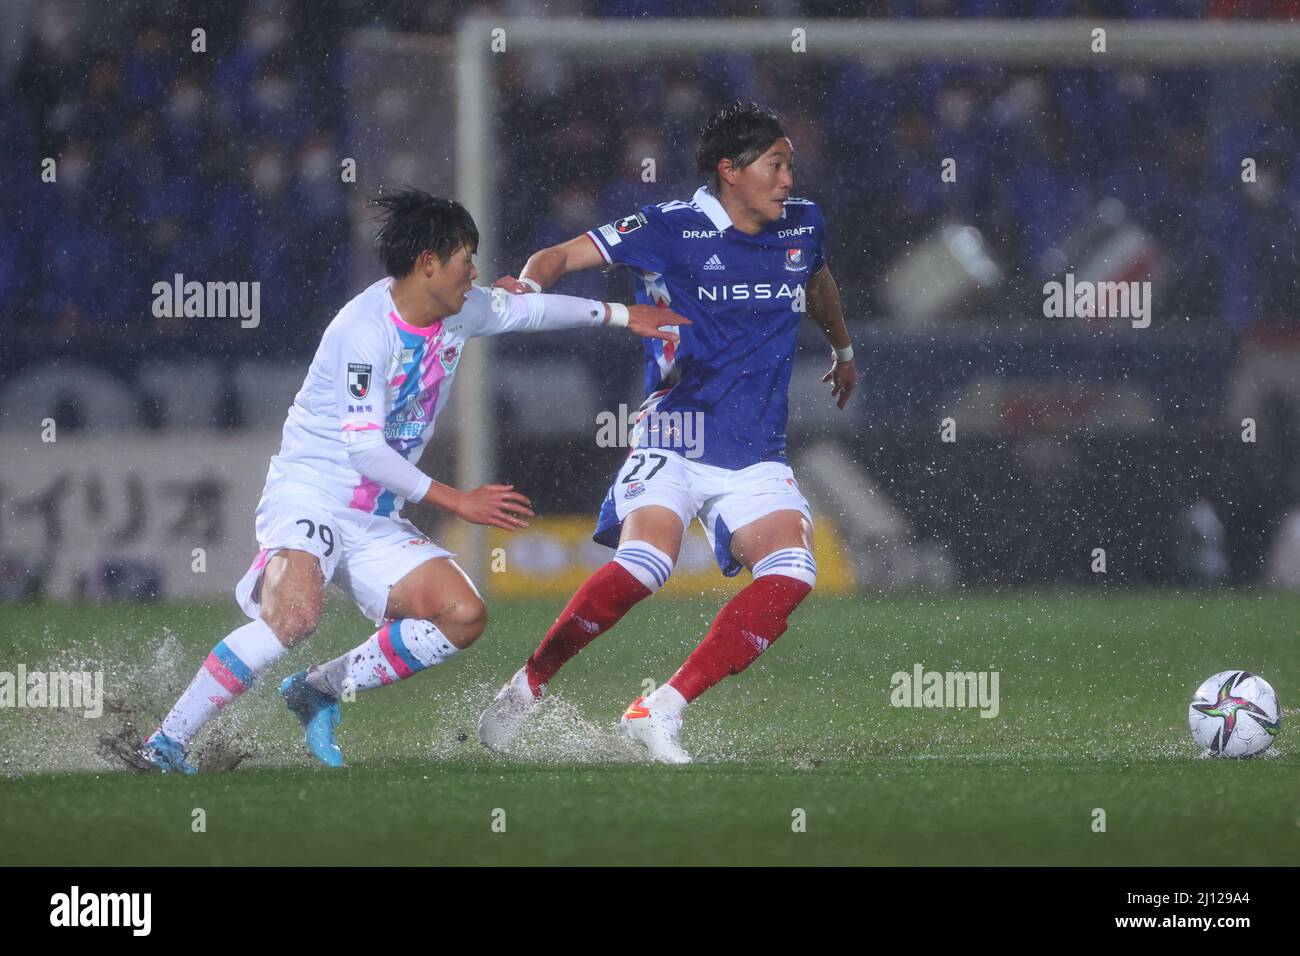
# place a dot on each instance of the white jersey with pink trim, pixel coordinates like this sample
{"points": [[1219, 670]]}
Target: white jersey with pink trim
{"points": [[373, 372]]}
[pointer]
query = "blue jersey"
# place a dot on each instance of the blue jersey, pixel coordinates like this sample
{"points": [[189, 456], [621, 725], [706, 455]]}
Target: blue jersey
{"points": [[745, 295]]}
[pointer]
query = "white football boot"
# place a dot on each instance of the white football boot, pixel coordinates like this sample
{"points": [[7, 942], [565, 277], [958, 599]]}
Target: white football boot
{"points": [[504, 718], [655, 730]]}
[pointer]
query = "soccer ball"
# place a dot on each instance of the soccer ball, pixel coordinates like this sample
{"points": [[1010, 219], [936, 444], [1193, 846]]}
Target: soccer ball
{"points": [[1235, 714]]}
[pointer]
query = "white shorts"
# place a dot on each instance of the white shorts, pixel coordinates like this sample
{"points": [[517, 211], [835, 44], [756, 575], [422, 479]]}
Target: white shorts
{"points": [[724, 500], [363, 554]]}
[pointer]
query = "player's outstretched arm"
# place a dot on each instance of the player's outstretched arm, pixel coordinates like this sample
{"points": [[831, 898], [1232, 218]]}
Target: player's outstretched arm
{"points": [[537, 312], [543, 269], [825, 310]]}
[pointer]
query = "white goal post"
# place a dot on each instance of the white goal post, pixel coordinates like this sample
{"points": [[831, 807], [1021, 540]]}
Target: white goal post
{"points": [[879, 43]]}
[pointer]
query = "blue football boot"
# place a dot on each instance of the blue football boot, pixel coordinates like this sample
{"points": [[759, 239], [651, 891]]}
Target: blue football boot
{"points": [[163, 753], [319, 713]]}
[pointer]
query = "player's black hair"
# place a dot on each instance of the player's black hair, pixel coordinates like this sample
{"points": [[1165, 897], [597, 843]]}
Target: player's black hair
{"points": [[411, 222], [740, 132]]}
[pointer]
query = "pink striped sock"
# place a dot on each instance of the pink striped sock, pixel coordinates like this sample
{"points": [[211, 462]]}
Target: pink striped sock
{"points": [[394, 652], [229, 670]]}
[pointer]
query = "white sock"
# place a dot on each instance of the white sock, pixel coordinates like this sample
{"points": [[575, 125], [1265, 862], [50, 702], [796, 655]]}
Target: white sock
{"points": [[229, 671], [794, 563], [396, 651], [645, 562], [666, 699]]}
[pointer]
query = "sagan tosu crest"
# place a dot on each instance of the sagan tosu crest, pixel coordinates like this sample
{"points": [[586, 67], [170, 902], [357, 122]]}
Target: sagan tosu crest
{"points": [[450, 356]]}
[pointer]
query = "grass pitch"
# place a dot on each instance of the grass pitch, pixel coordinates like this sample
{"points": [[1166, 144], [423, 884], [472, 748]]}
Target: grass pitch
{"points": [[1092, 713]]}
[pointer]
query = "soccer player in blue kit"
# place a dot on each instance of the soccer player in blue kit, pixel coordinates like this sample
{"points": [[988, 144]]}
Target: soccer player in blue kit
{"points": [[744, 261]]}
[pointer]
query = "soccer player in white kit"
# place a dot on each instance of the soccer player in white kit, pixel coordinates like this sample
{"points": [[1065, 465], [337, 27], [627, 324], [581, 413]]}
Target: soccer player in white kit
{"points": [[331, 507]]}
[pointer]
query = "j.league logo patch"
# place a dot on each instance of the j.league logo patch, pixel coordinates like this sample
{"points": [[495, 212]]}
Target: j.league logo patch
{"points": [[358, 379]]}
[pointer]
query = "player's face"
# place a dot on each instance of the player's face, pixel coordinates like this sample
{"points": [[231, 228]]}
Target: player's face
{"points": [[449, 283], [764, 185]]}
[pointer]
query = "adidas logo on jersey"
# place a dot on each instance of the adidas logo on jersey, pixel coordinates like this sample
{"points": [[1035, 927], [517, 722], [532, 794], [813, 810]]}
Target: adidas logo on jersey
{"points": [[714, 263]]}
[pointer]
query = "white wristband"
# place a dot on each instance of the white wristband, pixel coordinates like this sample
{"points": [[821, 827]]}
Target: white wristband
{"points": [[845, 354], [536, 287], [618, 315]]}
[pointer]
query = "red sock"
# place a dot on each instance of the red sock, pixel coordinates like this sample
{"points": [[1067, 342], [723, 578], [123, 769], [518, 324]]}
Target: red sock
{"points": [[743, 629], [597, 606]]}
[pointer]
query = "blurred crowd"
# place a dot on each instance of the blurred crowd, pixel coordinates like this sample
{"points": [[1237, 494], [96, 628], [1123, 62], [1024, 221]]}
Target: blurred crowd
{"points": [[226, 166], [1037, 153], [218, 166]]}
